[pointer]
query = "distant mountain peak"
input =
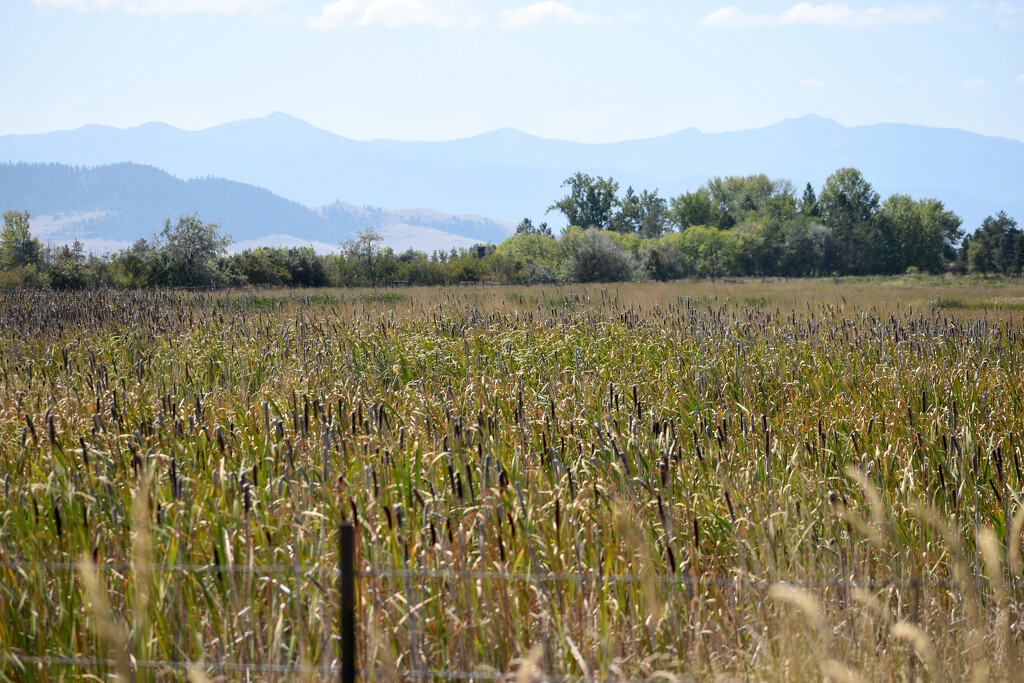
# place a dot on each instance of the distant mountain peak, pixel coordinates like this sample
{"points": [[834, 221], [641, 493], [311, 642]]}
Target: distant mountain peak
{"points": [[809, 121], [813, 117], [275, 121], [155, 125], [505, 133], [283, 117]]}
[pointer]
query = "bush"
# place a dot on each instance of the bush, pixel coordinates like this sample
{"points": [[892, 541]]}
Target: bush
{"points": [[23, 277], [305, 267], [68, 274], [593, 256], [662, 259]]}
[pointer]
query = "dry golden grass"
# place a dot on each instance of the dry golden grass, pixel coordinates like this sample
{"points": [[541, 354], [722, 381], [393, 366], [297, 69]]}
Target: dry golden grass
{"points": [[763, 481]]}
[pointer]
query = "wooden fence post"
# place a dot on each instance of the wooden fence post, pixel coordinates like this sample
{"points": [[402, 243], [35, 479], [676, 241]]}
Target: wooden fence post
{"points": [[915, 615], [347, 594]]}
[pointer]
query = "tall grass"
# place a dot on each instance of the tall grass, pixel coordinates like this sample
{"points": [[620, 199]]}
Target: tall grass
{"points": [[763, 481]]}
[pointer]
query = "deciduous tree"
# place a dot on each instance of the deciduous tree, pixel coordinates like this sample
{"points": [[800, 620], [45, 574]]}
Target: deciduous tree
{"points": [[189, 249], [364, 249], [18, 248], [590, 201], [848, 205]]}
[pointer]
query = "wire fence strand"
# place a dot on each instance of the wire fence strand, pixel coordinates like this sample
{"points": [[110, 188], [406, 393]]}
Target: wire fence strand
{"points": [[746, 582], [741, 582], [95, 663]]}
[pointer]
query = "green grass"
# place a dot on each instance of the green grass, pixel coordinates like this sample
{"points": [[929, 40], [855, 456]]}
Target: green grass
{"points": [[955, 303], [629, 441]]}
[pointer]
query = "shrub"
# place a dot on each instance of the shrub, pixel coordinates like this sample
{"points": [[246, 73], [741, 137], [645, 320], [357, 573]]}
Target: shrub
{"points": [[593, 256]]}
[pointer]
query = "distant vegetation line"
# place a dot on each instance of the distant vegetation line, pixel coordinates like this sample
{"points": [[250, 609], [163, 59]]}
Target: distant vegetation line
{"points": [[731, 226]]}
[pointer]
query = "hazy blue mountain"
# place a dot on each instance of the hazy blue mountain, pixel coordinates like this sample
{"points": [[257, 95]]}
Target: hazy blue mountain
{"points": [[510, 174], [118, 203]]}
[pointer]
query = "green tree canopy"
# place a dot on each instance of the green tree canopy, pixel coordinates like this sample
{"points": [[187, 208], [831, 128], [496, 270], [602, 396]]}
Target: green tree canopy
{"points": [[630, 214], [809, 202], [654, 214], [663, 258], [806, 246], [526, 227], [848, 206], [996, 247], [709, 251], [18, 248], [918, 234], [692, 208], [594, 256], [847, 197], [724, 202], [590, 201], [365, 251], [641, 214], [189, 248]]}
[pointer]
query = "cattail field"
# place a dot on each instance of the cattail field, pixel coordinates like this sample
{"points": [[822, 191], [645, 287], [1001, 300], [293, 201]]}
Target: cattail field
{"points": [[749, 481]]}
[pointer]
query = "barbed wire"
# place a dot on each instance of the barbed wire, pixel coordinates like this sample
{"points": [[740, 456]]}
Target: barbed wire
{"points": [[332, 670], [541, 577], [740, 582], [257, 570], [102, 663], [746, 581]]}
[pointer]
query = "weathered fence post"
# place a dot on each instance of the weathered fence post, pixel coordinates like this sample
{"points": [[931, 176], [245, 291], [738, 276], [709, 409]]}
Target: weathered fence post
{"points": [[915, 615], [347, 593]]}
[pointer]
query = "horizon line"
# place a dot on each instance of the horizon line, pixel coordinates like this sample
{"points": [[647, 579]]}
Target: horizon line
{"points": [[500, 129]]}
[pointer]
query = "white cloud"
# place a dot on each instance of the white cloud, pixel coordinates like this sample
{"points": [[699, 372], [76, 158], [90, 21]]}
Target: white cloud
{"points": [[828, 14], [549, 12], [1020, 78], [1003, 8], [162, 6], [1003, 13], [975, 82], [385, 13], [812, 83]]}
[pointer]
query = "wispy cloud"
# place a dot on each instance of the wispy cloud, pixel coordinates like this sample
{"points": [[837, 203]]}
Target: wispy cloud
{"points": [[1003, 9], [162, 6], [1006, 14], [827, 14], [812, 83], [549, 12], [975, 82], [383, 13], [1020, 78]]}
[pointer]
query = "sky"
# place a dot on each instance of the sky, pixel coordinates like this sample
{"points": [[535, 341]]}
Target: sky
{"points": [[584, 70]]}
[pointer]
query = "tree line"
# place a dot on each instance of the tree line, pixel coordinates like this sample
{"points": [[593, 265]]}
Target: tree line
{"points": [[732, 226]]}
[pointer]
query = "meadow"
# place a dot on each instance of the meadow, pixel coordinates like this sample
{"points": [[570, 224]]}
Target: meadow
{"points": [[751, 480]]}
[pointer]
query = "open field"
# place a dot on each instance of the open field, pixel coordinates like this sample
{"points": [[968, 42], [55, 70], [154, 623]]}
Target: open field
{"points": [[755, 481]]}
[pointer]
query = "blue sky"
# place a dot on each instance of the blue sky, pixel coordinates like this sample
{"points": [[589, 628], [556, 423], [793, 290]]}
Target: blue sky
{"points": [[586, 70]]}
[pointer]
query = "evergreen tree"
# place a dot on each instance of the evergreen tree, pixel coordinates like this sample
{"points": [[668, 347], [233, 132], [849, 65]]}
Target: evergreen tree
{"points": [[809, 203]]}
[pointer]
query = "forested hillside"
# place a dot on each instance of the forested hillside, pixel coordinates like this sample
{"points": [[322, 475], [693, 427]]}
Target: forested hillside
{"points": [[125, 201]]}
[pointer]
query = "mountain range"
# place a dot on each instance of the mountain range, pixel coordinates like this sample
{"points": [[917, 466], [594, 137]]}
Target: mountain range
{"points": [[506, 174], [109, 206]]}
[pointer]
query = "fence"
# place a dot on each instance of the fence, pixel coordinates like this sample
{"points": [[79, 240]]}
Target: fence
{"points": [[345, 666]]}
